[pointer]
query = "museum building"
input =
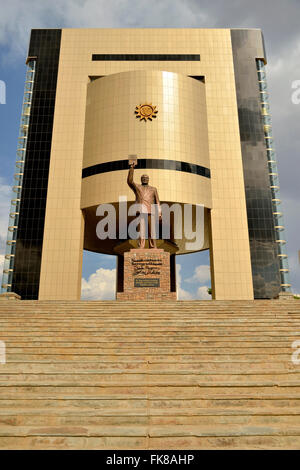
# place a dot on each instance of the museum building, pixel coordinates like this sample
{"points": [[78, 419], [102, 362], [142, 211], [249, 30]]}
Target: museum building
{"points": [[193, 105]]}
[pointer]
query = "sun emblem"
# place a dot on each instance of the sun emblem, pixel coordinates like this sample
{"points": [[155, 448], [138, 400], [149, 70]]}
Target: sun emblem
{"points": [[146, 111]]}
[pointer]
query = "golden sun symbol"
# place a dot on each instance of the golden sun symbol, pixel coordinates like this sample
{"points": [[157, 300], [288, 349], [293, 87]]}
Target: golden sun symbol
{"points": [[146, 111]]}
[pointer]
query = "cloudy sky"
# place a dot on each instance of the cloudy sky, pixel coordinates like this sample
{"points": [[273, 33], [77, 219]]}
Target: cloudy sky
{"points": [[279, 21]]}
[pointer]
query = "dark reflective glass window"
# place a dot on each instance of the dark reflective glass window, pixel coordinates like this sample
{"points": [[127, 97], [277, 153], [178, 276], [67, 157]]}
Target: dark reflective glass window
{"points": [[145, 57], [263, 247], [45, 45], [144, 163]]}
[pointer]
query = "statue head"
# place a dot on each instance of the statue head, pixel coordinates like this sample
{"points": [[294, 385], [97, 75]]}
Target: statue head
{"points": [[145, 179]]}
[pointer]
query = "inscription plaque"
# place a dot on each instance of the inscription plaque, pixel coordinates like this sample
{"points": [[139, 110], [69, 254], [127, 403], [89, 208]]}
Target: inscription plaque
{"points": [[146, 282], [146, 275]]}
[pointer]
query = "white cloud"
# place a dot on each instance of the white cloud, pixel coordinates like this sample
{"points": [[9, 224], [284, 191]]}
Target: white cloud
{"points": [[202, 293], [101, 285], [294, 272], [19, 17], [181, 293], [201, 274]]}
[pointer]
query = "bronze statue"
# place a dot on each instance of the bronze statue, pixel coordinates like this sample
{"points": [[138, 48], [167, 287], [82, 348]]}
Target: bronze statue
{"points": [[145, 195]]}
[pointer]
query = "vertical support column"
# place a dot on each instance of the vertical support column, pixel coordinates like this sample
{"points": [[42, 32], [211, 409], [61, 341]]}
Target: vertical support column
{"points": [[247, 46], [60, 277], [230, 263]]}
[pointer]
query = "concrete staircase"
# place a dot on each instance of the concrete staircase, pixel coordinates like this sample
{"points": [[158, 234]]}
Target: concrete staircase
{"points": [[178, 375]]}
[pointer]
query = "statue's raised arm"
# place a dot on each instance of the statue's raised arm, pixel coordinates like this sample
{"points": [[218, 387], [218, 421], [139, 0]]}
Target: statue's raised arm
{"points": [[130, 181]]}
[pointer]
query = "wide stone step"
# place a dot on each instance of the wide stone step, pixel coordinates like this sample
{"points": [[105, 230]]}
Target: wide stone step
{"points": [[144, 348], [248, 442], [68, 315], [204, 332], [155, 443], [180, 303], [149, 343], [155, 338], [150, 407], [126, 379], [135, 366], [73, 443], [159, 430], [144, 420], [165, 313], [154, 392], [34, 310], [144, 357], [189, 320], [33, 313], [145, 327], [149, 308]]}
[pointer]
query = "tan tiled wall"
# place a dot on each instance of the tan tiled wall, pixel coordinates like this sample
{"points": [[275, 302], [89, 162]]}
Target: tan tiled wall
{"points": [[62, 249]]}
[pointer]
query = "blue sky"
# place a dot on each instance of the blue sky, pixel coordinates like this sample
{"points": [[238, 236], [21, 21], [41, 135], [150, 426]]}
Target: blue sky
{"points": [[280, 24]]}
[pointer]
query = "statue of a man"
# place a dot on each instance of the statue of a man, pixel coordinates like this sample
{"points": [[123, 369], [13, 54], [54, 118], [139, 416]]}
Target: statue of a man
{"points": [[146, 196]]}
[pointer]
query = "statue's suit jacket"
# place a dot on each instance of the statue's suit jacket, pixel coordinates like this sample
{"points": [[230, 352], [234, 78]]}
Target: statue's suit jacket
{"points": [[144, 194]]}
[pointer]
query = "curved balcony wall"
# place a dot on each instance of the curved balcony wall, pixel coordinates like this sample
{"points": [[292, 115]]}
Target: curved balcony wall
{"points": [[172, 147]]}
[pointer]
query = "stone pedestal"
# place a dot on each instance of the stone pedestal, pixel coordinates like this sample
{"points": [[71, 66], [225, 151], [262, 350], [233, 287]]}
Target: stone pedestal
{"points": [[147, 276]]}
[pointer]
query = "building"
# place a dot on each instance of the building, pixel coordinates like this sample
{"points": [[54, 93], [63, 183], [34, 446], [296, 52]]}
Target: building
{"points": [[211, 144]]}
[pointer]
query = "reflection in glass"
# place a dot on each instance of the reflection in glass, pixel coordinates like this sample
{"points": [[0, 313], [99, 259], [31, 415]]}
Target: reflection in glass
{"points": [[274, 180]]}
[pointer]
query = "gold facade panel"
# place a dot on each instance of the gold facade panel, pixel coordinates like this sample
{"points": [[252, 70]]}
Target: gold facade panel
{"points": [[112, 130], [174, 186]]}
